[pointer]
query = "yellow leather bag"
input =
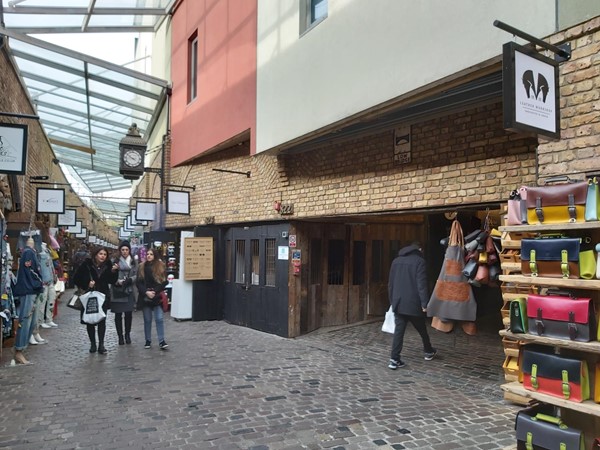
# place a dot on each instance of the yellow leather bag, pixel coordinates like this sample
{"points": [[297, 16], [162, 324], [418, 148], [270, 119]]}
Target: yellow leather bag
{"points": [[560, 203]]}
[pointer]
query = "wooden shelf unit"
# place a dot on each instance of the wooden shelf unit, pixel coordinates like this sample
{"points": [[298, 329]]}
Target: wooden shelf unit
{"points": [[584, 415]]}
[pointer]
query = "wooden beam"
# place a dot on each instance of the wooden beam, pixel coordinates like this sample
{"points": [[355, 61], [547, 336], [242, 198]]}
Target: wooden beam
{"points": [[70, 145]]}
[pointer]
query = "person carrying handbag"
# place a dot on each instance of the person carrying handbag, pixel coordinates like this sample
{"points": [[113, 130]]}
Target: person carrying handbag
{"points": [[151, 281], [97, 273], [122, 298]]}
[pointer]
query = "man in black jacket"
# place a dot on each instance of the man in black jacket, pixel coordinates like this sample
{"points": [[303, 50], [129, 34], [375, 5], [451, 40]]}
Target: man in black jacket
{"points": [[409, 295]]}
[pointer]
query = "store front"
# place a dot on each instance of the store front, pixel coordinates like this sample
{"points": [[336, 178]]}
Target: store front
{"points": [[293, 278]]}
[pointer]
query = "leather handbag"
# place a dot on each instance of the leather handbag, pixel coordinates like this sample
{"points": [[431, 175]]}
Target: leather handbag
{"points": [[592, 203], [596, 444], [518, 315], [555, 375], [561, 317], [560, 203], [587, 264], [539, 427], [517, 207], [470, 269], [554, 258]]}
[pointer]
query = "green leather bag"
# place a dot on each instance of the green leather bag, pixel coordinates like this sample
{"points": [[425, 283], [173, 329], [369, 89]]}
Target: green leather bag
{"points": [[587, 264], [518, 315]]}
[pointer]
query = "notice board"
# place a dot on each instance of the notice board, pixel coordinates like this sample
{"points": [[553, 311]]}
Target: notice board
{"points": [[199, 257]]}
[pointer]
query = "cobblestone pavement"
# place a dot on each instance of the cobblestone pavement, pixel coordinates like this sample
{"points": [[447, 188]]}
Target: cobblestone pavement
{"points": [[229, 387]]}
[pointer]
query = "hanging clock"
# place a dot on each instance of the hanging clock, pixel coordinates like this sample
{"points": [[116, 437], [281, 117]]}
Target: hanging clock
{"points": [[132, 161], [132, 158]]}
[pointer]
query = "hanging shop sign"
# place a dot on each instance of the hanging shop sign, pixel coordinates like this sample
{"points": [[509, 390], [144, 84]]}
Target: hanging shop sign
{"points": [[144, 211], [50, 201], [76, 229], [198, 258], [13, 148], [178, 202], [530, 91], [67, 219]]}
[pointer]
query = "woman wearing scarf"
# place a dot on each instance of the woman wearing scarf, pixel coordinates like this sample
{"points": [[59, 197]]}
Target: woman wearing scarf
{"points": [[123, 299], [97, 273], [151, 281]]}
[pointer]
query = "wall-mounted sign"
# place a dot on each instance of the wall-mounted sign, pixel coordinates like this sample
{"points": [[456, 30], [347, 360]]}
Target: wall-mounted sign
{"points": [[199, 257], [92, 239], [123, 234], [67, 219], [530, 91], [50, 201], [283, 252], [83, 233], [402, 146], [134, 220], [178, 202], [13, 148]]}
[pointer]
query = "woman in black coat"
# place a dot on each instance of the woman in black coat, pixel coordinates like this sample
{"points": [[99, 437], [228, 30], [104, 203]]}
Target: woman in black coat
{"points": [[97, 273], [151, 281]]}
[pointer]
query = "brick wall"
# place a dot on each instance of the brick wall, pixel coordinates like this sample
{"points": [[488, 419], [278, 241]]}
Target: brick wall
{"points": [[578, 150], [462, 158]]}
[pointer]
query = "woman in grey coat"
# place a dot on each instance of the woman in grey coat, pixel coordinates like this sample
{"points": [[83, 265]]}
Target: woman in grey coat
{"points": [[123, 298]]}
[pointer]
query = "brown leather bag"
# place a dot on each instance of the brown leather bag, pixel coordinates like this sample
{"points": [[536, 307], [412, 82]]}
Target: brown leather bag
{"points": [[560, 203]]}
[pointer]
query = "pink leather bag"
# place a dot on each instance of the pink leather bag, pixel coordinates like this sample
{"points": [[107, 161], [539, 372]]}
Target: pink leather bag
{"points": [[517, 207]]}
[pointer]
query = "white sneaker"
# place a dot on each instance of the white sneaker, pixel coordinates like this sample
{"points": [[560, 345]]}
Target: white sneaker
{"points": [[46, 325], [39, 339], [52, 324], [32, 340]]}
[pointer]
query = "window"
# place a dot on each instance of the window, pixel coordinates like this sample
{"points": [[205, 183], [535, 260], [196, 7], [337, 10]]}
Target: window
{"points": [[359, 256], [377, 261], [335, 262], [312, 12], [318, 10], [315, 261], [255, 262], [193, 67], [228, 260], [270, 258], [240, 262]]}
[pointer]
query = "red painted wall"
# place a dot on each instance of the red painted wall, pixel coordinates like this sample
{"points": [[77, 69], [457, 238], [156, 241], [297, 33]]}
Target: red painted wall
{"points": [[226, 102]]}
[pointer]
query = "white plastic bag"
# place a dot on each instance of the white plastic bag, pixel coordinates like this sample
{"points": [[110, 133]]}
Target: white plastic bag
{"points": [[389, 324], [59, 287], [92, 302]]}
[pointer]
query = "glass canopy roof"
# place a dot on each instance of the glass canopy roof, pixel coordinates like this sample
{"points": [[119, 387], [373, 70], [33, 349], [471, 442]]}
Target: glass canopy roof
{"points": [[85, 104]]}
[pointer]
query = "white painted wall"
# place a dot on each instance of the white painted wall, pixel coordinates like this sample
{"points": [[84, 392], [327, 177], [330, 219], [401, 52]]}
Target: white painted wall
{"points": [[367, 52]]}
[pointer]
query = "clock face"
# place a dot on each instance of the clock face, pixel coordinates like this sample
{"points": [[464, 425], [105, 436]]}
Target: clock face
{"points": [[132, 158]]}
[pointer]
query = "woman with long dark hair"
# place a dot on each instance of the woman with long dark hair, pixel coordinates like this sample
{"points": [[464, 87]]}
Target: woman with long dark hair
{"points": [[151, 281], [97, 273], [123, 298]]}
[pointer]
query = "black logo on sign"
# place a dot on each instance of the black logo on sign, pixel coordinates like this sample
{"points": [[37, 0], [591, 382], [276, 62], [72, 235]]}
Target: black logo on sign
{"points": [[533, 89]]}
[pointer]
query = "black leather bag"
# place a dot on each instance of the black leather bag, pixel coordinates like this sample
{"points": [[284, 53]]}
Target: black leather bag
{"points": [[539, 427]]}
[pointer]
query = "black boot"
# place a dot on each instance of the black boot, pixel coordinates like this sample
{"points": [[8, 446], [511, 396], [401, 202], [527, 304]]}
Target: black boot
{"points": [[91, 331], [119, 327], [101, 349], [128, 320]]}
